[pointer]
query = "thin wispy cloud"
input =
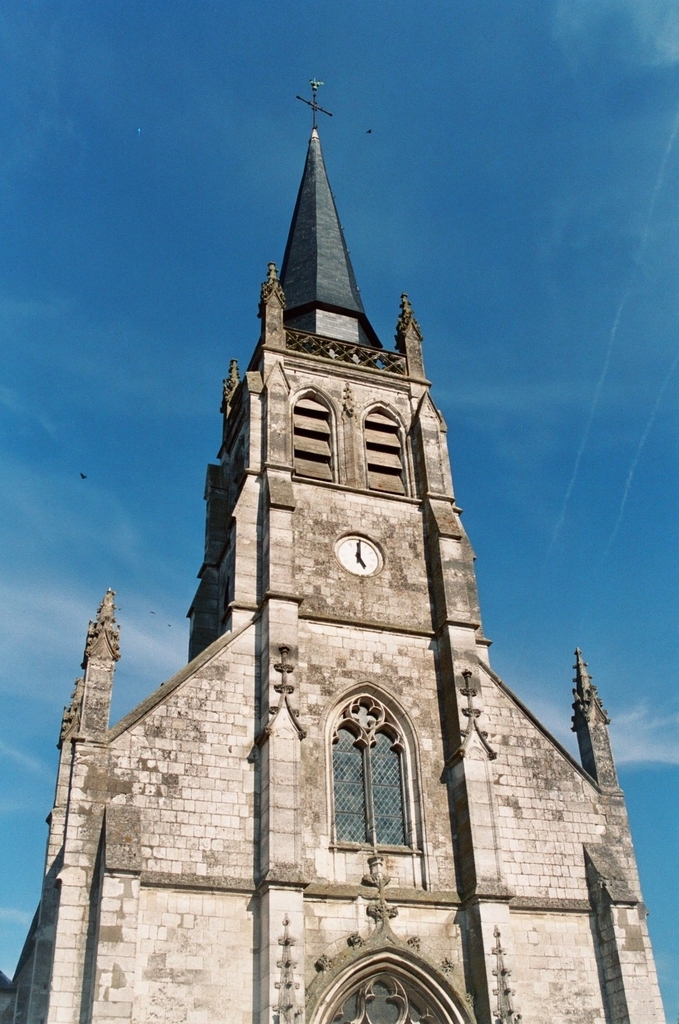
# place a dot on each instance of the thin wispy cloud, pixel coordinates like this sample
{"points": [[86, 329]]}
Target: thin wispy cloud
{"points": [[74, 514], [653, 25], [639, 734], [150, 654], [13, 916], [54, 332], [645, 735], [17, 407], [25, 761]]}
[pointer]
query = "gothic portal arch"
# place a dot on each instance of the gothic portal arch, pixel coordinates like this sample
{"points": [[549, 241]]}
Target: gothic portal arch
{"points": [[387, 986]]}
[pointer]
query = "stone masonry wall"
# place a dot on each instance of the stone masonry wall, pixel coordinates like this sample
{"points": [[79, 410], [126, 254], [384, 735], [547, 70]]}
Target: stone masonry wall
{"points": [[546, 809], [329, 922], [554, 968], [186, 766], [194, 958], [398, 595]]}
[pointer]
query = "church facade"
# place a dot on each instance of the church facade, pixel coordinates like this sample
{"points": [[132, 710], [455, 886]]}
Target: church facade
{"points": [[337, 811]]}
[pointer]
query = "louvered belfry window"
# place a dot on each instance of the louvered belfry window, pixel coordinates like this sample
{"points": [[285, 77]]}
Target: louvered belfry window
{"points": [[312, 439], [383, 453], [368, 776]]}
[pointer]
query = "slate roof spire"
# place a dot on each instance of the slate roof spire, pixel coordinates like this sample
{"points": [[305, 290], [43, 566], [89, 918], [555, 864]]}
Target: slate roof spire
{"points": [[317, 276]]}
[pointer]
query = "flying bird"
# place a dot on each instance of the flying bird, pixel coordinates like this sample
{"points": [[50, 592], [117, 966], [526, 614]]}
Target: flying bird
{"points": [[152, 613], [369, 131], [83, 476]]}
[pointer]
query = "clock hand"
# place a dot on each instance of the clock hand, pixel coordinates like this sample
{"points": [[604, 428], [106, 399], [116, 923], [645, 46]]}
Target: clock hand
{"points": [[358, 554]]}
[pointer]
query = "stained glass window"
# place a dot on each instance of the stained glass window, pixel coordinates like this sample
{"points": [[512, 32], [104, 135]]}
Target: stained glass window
{"points": [[387, 793], [347, 761], [368, 778]]}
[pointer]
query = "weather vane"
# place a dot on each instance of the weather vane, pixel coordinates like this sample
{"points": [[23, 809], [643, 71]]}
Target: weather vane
{"points": [[315, 86]]}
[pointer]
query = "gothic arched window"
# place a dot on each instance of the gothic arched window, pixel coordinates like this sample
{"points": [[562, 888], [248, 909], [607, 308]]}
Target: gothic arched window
{"points": [[384, 456], [369, 776], [311, 436]]}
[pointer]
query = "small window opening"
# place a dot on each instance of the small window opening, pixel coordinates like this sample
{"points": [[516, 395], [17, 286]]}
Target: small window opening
{"points": [[311, 440]]}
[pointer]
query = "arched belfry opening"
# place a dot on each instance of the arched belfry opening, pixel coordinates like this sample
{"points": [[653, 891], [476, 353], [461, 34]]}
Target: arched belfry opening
{"points": [[384, 452], [312, 438]]}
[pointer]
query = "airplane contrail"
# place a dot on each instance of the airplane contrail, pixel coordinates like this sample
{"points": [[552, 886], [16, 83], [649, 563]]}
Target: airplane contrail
{"points": [[659, 182], [590, 419], [660, 178], [637, 454]]}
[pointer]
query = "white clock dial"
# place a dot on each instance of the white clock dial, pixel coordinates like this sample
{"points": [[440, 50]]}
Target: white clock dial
{"points": [[358, 556]]}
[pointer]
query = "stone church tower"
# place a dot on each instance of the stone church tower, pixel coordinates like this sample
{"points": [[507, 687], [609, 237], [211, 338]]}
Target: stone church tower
{"points": [[337, 811]]}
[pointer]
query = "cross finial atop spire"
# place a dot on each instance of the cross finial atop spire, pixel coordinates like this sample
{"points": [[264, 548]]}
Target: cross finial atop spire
{"points": [[315, 86]]}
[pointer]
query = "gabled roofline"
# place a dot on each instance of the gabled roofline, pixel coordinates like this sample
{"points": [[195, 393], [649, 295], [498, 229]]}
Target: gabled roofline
{"points": [[540, 727], [175, 681]]}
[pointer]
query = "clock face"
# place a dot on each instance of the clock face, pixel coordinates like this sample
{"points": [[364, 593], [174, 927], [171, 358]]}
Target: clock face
{"points": [[358, 556]]}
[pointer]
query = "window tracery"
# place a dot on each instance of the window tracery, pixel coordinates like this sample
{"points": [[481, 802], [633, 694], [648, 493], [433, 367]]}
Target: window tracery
{"points": [[385, 1000], [369, 776]]}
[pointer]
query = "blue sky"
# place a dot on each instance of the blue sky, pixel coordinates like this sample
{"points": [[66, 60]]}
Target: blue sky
{"points": [[519, 182]]}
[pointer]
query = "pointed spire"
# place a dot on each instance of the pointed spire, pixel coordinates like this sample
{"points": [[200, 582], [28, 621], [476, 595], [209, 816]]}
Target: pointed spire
{"points": [[229, 385], [317, 275], [288, 1011], [272, 302], [406, 320], [590, 724], [409, 338], [103, 635], [70, 722], [505, 1012], [102, 651], [587, 699]]}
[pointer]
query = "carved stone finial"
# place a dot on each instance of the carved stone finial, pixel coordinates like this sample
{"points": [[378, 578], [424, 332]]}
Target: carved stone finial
{"points": [[587, 701], [348, 401], [285, 689], [472, 714], [285, 668], [406, 319], [271, 287], [505, 1012], [70, 722], [103, 635], [288, 1012], [378, 909], [229, 385]]}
